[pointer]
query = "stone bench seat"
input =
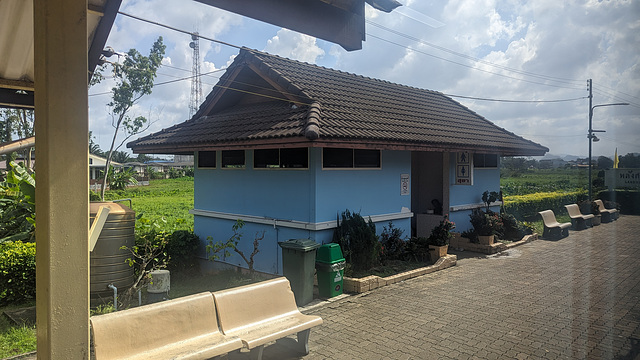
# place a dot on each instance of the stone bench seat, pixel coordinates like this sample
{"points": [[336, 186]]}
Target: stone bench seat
{"points": [[578, 220], [261, 313], [552, 228], [608, 215], [183, 328]]}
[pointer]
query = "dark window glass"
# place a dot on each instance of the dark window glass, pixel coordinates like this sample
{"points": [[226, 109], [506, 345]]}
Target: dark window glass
{"points": [[366, 158], [296, 158], [207, 159], [485, 160], [266, 158], [233, 158], [337, 158]]}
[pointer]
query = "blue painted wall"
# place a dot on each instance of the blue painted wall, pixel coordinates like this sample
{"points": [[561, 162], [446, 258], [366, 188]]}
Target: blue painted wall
{"points": [[314, 195], [369, 192], [484, 179]]}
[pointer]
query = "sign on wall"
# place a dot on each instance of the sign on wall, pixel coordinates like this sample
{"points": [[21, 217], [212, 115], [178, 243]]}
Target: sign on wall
{"points": [[464, 168], [405, 188], [622, 178]]}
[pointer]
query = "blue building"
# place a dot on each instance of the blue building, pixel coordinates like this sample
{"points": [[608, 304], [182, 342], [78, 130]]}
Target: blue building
{"points": [[287, 146]]}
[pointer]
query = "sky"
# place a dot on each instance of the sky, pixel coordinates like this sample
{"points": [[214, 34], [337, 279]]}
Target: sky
{"points": [[528, 55]]}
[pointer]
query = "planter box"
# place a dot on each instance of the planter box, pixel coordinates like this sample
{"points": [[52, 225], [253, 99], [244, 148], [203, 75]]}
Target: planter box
{"points": [[485, 239], [354, 285], [436, 252]]}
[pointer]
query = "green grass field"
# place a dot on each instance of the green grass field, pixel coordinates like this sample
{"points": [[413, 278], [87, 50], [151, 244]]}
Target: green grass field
{"points": [[533, 181], [164, 199]]}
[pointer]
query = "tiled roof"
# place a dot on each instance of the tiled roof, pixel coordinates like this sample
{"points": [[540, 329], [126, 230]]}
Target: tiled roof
{"points": [[353, 111]]}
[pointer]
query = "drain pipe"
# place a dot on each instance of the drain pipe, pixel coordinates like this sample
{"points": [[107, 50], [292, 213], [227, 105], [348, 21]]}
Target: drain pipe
{"points": [[115, 296]]}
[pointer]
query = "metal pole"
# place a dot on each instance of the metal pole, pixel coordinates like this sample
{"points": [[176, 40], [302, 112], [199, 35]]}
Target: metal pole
{"points": [[590, 134]]}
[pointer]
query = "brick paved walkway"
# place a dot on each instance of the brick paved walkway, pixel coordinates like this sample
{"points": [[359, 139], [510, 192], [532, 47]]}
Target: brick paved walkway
{"points": [[576, 298]]}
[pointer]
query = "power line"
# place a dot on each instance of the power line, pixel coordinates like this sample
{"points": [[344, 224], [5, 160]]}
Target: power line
{"points": [[178, 30], [521, 72], [469, 66], [438, 47], [515, 101]]}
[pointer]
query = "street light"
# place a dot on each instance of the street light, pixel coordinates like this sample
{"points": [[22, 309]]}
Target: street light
{"points": [[590, 135]]}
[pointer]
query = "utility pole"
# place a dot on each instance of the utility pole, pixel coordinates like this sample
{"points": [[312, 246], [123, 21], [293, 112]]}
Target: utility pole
{"points": [[196, 83], [590, 135]]}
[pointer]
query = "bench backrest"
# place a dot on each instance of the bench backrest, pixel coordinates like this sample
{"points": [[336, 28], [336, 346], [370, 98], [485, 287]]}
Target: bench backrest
{"points": [[600, 205], [126, 333], [548, 217], [573, 210], [252, 304]]}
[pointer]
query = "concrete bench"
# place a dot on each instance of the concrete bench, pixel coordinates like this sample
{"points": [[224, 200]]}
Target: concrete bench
{"points": [[579, 221], [552, 228], [261, 313], [608, 215], [183, 328]]}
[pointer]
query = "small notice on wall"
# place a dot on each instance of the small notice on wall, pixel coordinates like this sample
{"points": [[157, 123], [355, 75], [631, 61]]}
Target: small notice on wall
{"points": [[464, 168], [404, 184]]}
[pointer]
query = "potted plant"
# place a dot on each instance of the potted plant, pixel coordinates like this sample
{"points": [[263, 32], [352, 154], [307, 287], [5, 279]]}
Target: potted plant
{"points": [[486, 225], [439, 238]]}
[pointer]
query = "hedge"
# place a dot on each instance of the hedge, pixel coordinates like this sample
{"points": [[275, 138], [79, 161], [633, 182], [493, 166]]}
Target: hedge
{"points": [[526, 207], [17, 272]]}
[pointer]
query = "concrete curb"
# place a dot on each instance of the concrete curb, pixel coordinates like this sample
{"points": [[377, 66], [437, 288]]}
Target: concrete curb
{"points": [[360, 285]]}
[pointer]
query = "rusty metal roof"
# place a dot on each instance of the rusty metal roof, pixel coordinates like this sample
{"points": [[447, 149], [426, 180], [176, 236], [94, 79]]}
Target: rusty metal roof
{"points": [[266, 101], [17, 42]]}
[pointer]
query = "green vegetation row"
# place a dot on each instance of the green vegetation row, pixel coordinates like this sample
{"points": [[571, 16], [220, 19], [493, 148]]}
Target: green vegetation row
{"points": [[528, 206]]}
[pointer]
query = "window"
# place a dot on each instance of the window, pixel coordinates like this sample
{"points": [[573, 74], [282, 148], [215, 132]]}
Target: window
{"points": [[350, 158], [295, 158], [206, 159], [233, 159], [485, 160]]}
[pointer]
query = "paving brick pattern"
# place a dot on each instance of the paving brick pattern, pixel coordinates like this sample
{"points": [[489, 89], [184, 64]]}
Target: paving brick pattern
{"points": [[575, 298]]}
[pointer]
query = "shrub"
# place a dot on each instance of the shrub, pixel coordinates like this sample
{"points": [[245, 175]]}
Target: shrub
{"points": [[182, 249], [588, 207], [393, 245], [17, 272], [486, 223], [418, 249], [358, 241], [17, 205], [513, 229], [441, 234]]}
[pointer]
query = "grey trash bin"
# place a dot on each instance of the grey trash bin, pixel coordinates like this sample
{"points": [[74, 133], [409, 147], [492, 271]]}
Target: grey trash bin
{"points": [[298, 266]]}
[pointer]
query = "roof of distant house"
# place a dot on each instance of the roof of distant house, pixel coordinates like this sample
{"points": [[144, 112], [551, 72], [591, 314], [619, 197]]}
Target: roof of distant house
{"points": [[266, 101]]}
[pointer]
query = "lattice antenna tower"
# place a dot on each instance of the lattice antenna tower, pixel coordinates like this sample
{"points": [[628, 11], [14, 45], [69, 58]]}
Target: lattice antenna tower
{"points": [[196, 83]]}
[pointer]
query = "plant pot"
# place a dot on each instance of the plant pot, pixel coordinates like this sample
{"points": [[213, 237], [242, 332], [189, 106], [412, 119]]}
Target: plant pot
{"points": [[436, 252], [596, 220], [485, 239]]}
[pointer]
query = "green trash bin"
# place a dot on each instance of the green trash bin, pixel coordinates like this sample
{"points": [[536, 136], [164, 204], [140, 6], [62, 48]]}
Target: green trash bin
{"points": [[330, 270], [298, 257]]}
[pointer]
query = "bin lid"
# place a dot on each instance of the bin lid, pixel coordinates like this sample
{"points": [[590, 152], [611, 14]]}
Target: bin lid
{"points": [[299, 244], [329, 253]]}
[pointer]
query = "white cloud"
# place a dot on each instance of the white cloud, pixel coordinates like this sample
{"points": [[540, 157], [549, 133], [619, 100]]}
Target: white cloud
{"points": [[553, 46], [293, 45]]}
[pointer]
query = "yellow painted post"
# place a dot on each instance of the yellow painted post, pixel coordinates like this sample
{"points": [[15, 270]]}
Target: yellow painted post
{"points": [[62, 199]]}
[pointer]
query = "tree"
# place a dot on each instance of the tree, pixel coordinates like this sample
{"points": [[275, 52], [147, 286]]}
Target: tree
{"points": [[93, 147], [134, 79], [121, 157], [629, 161], [604, 162], [143, 158]]}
